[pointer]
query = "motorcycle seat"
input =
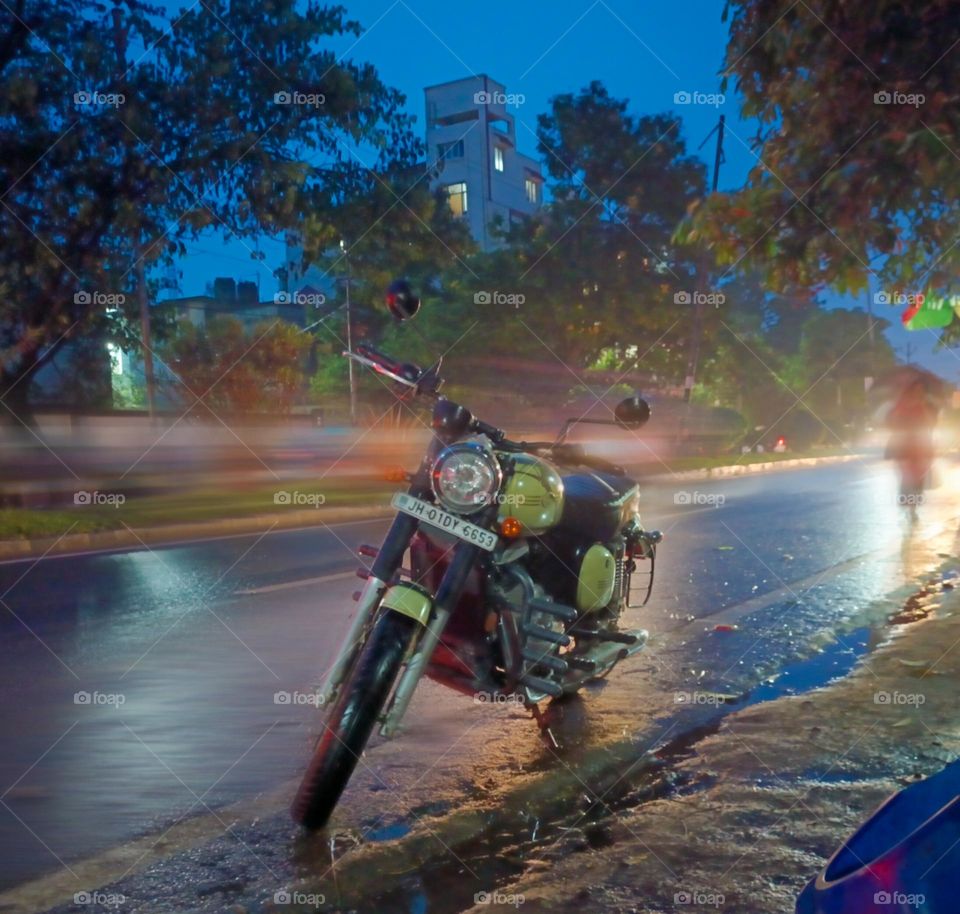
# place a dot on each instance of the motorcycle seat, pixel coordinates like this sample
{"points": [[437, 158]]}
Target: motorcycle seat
{"points": [[595, 504]]}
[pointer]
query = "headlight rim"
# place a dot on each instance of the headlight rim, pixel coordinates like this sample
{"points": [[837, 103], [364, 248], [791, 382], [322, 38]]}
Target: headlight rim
{"points": [[470, 447]]}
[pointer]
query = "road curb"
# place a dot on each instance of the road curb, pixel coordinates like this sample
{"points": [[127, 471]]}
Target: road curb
{"points": [[129, 538], [745, 469]]}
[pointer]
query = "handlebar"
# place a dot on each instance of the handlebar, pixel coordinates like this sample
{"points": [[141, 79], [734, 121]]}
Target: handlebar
{"points": [[403, 372]]}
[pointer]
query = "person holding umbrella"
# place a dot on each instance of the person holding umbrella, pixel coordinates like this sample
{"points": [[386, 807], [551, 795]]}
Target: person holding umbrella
{"points": [[911, 421]]}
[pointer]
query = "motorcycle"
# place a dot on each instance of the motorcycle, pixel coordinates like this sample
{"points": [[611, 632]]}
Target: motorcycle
{"points": [[522, 558]]}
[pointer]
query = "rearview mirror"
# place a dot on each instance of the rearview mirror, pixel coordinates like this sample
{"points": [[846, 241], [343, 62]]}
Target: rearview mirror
{"points": [[401, 301], [632, 413]]}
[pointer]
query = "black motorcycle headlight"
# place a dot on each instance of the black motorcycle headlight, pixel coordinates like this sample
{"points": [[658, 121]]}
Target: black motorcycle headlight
{"points": [[466, 477]]}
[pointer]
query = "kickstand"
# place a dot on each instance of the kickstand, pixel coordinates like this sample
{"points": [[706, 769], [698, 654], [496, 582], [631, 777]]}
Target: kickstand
{"points": [[545, 732]]}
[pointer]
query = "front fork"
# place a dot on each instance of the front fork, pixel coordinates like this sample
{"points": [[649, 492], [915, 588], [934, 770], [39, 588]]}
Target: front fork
{"points": [[448, 594], [385, 566]]}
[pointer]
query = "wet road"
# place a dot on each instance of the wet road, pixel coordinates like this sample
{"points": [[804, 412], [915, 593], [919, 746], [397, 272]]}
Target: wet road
{"points": [[138, 687]]}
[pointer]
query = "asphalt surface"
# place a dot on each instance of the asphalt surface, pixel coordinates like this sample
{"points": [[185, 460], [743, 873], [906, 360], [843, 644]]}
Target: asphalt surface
{"points": [[139, 687]]}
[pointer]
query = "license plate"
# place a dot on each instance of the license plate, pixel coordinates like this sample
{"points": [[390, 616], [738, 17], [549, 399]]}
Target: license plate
{"points": [[443, 520]]}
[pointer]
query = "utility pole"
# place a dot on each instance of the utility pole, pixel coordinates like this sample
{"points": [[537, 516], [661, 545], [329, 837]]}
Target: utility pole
{"points": [[120, 47], [870, 320], [145, 333], [350, 373], [693, 359], [869, 379], [718, 158]]}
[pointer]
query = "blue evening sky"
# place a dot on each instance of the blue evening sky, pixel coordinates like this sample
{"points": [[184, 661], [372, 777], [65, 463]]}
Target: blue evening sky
{"points": [[643, 51]]}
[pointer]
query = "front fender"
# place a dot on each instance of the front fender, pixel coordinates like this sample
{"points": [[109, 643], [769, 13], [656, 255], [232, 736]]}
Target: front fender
{"points": [[409, 600]]}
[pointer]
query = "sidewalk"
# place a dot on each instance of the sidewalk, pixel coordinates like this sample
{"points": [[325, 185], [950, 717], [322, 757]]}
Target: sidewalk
{"points": [[766, 800]]}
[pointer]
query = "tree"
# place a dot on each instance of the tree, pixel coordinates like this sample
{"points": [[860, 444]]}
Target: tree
{"points": [[604, 252], [742, 360], [633, 171], [594, 275], [124, 135], [767, 351], [857, 156], [228, 369]]}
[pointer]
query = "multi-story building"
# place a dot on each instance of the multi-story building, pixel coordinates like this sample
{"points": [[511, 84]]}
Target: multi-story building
{"points": [[472, 141]]}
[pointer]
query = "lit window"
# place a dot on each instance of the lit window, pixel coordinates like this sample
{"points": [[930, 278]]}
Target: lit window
{"points": [[450, 150], [498, 158], [457, 195], [531, 187]]}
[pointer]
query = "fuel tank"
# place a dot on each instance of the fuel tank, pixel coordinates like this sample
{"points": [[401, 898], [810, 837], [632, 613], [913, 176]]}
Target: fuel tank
{"points": [[533, 494]]}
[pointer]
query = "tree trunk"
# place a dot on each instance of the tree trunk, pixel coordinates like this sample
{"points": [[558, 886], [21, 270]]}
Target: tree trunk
{"points": [[15, 394]]}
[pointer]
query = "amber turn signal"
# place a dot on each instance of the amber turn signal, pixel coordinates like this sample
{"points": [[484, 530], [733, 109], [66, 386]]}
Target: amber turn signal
{"points": [[510, 528]]}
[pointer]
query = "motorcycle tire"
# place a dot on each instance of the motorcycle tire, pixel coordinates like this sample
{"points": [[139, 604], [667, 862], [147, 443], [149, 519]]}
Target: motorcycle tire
{"points": [[347, 729]]}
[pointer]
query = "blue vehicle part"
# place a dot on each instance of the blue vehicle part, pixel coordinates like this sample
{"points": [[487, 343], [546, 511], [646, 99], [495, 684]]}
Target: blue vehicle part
{"points": [[904, 858]]}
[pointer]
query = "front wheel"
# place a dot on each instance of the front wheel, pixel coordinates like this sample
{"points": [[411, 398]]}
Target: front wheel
{"points": [[352, 719]]}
